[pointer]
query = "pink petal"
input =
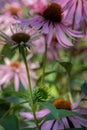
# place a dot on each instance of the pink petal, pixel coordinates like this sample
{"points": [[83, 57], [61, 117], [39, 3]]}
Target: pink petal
{"points": [[24, 81], [76, 104], [47, 125], [16, 82], [39, 115], [61, 125], [45, 28], [65, 122], [49, 35], [62, 37], [78, 16], [74, 122], [56, 125], [72, 33], [82, 121], [82, 111], [5, 78], [70, 12]]}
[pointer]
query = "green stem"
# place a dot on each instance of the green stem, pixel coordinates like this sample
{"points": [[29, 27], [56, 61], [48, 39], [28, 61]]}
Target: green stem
{"points": [[22, 51], [70, 56], [69, 88], [44, 64]]}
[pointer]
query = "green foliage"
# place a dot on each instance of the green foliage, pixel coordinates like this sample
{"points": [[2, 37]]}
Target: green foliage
{"points": [[10, 123], [67, 65], [58, 113], [4, 106], [84, 88], [1, 128], [7, 51]]}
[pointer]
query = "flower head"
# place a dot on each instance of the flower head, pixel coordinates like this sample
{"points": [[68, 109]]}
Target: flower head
{"points": [[76, 10], [19, 37], [13, 8], [9, 10], [65, 122], [52, 21], [16, 72]]}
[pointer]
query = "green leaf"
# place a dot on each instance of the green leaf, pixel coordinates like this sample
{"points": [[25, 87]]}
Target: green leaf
{"points": [[7, 51], [49, 117], [10, 123], [13, 99], [1, 128], [67, 65], [65, 113], [84, 88], [58, 113], [52, 109]]}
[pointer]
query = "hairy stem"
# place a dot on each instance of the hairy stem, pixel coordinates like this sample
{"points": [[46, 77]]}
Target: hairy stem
{"points": [[22, 51]]}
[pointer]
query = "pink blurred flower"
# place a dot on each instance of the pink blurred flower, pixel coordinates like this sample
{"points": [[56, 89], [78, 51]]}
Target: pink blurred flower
{"points": [[9, 10], [35, 6], [13, 8], [65, 122], [16, 72], [77, 9], [51, 21], [5, 22], [52, 51]]}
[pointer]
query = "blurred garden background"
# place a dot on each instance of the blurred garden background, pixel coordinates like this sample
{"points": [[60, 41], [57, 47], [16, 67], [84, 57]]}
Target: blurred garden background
{"points": [[43, 64]]}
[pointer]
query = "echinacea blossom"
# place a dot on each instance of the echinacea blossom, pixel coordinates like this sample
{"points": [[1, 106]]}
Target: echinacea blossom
{"points": [[9, 10], [13, 8], [19, 36], [76, 12], [16, 72], [52, 21], [65, 122]]}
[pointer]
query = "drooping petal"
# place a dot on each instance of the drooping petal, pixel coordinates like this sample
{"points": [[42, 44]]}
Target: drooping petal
{"points": [[82, 111], [16, 82], [82, 121], [45, 28], [72, 33], [39, 115], [56, 126], [61, 125], [49, 35], [47, 125], [70, 13], [76, 104], [23, 79], [74, 122], [60, 35], [78, 16], [5, 78], [65, 122]]}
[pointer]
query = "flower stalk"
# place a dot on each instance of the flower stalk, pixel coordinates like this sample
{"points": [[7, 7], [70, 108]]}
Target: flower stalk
{"points": [[44, 64], [22, 52]]}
